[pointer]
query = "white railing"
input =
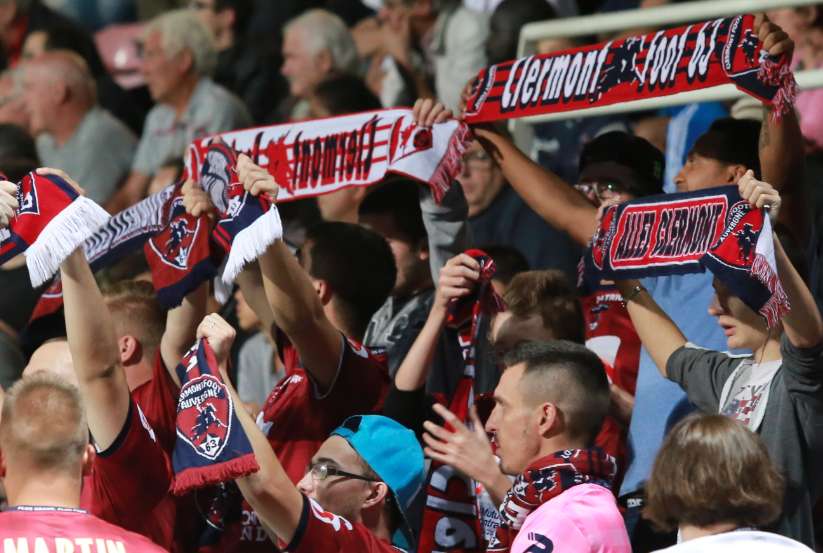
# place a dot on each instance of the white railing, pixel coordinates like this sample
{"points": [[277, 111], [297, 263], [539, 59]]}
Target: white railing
{"points": [[652, 18]]}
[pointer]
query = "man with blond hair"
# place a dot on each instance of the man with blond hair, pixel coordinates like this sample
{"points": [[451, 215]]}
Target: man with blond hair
{"points": [[179, 58], [71, 128], [44, 438]]}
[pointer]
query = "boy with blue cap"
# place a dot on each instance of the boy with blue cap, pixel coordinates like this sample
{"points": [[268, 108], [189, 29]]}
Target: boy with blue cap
{"points": [[357, 488]]}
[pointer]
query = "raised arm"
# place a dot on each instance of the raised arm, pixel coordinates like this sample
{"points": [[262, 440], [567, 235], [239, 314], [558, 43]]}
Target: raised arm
{"points": [[182, 321], [295, 304], [269, 491], [658, 333], [93, 345], [802, 324], [781, 144]]}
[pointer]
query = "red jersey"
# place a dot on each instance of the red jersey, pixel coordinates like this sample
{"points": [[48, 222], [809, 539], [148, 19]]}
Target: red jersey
{"points": [[62, 530], [610, 334], [157, 399], [129, 479], [320, 530], [297, 420]]}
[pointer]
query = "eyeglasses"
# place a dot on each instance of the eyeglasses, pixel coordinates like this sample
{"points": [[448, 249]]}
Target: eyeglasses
{"points": [[321, 471], [601, 189]]}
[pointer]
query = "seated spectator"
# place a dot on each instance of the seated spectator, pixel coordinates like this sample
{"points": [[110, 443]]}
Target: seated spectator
{"points": [[70, 126], [714, 482], [178, 57], [129, 107], [764, 391], [18, 18], [316, 44], [12, 100], [45, 454], [244, 66]]}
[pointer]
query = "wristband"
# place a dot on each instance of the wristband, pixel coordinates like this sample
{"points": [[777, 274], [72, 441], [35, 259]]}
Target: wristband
{"points": [[634, 293]]}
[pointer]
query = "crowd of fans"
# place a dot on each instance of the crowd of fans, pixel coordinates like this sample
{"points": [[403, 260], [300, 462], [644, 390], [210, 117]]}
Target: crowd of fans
{"points": [[702, 427]]}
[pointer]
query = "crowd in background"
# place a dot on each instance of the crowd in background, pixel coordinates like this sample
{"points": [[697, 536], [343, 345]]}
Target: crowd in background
{"points": [[111, 92]]}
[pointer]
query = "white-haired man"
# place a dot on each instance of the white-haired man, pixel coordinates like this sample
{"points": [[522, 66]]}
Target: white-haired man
{"points": [[316, 44], [71, 128], [178, 58]]}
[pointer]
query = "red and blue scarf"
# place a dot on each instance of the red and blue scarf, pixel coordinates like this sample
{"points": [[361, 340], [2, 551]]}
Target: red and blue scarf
{"points": [[545, 479], [451, 504], [52, 221], [688, 232], [211, 446], [691, 57]]}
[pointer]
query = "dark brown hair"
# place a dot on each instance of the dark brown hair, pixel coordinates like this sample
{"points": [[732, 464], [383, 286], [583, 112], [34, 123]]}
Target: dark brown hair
{"points": [[712, 470], [548, 294]]}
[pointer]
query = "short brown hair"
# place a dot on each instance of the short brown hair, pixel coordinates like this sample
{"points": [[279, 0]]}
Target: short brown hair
{"points": [[712, 470], [548, 294], [44, 420], [136, 311]]}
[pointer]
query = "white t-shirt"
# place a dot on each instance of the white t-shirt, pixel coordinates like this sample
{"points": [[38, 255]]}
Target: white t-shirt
{"points": [[748, 541]]}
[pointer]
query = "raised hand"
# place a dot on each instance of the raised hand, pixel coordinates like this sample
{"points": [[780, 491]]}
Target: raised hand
{"points": [[8, 202], [255, 179], [219, 334], [427, 112], [457, 279], [759, 193], [196, 200]]}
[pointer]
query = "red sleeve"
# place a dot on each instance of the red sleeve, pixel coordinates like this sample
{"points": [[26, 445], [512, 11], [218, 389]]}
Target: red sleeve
{"points": [[360, 386], [319, 530], [158, 400], [129, 478]]}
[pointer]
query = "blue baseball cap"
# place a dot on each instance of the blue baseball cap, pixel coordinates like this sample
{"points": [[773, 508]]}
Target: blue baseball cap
{"points": [[394, 454]]}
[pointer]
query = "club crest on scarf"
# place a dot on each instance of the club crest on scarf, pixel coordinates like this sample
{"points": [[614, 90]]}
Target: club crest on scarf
{"points": [[204, 411], [408, 138], [174, 244], [27, 198], [666, 62], [736, 245]]}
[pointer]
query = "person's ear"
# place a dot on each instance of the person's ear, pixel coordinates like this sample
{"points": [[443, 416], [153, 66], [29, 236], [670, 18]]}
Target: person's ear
{"points": [[324, 291], [185, 61], [324, 61], [130, 349], [88, 459], [550, 420], [376, 494], [423, 250], [227, 18]]}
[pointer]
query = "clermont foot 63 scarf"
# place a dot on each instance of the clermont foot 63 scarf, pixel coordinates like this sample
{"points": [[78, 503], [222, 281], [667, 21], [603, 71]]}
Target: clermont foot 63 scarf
{"points": [[52, 220], [211, 445], [317, 157], [451, 505], [701, 55], [178, 254], [544, 480], [685, 233]]}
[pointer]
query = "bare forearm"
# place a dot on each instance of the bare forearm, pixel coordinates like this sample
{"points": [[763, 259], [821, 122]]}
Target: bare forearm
{"points": [[658, 333], [414, 370], [251, 284], [297, 311], [547, 194], [498, 487], [803, 325], [781, 165], [93, 345], [181, 326], [269, 491]]}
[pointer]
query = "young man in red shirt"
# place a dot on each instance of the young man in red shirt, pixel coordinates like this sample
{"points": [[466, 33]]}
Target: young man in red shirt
{"points": [[45, 455], [355, 491]]}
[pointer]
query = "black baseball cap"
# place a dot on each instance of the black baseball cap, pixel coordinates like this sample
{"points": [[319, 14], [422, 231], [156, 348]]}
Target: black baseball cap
{"points": [[733, 141], [628, 159]]}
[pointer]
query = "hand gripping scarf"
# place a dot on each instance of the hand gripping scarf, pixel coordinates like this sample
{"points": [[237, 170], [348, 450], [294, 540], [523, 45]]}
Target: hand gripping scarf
{"points": [[685, 233], [52, 220], [312, 158], [545, 479], [450, 517], [178, 254], [701, 55], [211, 446]]}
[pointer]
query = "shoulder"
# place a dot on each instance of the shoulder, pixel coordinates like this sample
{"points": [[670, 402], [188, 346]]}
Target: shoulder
{"points": [[212, 96], [159, 116]]}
